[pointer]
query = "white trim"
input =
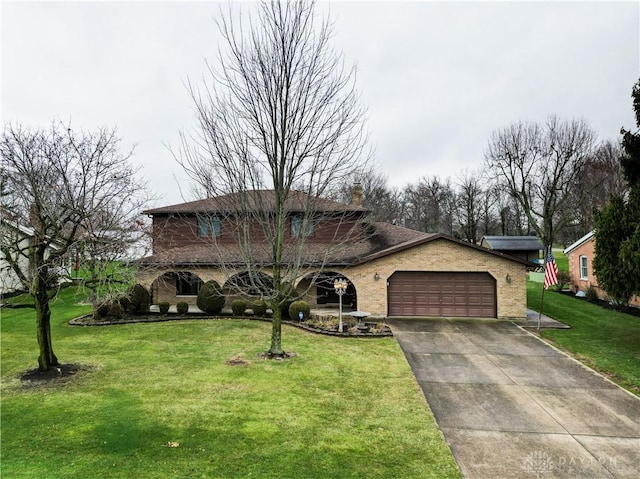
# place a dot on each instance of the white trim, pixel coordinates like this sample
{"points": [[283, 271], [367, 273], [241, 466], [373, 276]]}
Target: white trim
{"points": [[584, 239]]}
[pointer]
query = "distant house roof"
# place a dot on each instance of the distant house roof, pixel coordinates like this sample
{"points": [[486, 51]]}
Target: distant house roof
{"points": [[258, 200], [582, 240], [513, 243]]}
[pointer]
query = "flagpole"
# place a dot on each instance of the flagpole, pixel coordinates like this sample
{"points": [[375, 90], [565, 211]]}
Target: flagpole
{"points": [[546, 258]]}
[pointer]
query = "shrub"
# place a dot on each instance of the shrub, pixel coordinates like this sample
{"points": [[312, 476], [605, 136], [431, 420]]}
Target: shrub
{"points": [[116, 311], [591, 294], [259, 308], [164, 307], [563, 280], [238, 306], [210, 298], [101, 311], [298, 307], [139, 300], [182, 307]]}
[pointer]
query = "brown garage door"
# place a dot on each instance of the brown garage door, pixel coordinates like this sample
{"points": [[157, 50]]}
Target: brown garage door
{"points": [[420, 293]]}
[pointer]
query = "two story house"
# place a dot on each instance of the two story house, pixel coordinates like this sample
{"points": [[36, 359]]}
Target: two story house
{"points": [[391, 270]]}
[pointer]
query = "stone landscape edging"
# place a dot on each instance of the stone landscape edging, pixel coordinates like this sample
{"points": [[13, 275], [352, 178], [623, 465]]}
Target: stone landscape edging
{"points": [[83, 321]]}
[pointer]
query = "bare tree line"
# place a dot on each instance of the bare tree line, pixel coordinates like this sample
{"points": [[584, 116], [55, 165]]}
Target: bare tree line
{"points": [[562, 191]]}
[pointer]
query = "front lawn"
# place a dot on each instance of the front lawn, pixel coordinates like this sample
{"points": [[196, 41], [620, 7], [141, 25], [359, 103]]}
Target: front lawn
{"points": [[161, 401], [606, 340]]}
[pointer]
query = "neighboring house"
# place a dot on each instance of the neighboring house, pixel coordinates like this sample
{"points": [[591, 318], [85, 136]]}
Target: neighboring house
{"points": [[391, 270], [524, 247], [580, 256], [17, 239]]}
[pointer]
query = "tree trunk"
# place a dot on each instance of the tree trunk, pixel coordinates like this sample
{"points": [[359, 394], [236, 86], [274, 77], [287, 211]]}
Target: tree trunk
{"points": [[276, 333], [47, 358]]}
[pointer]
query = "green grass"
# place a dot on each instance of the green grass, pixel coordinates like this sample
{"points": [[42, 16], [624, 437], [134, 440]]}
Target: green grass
{"points": [[341, 408], [606, 340], [562, 262]]}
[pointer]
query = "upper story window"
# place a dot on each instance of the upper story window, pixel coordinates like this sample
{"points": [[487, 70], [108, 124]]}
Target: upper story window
{"points": [[208, 226], [584, 271], [301, 227]]}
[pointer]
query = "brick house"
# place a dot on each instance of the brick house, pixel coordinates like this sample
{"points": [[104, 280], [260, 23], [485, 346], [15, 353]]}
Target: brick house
{"points": [[580, 257], [391, 270]]}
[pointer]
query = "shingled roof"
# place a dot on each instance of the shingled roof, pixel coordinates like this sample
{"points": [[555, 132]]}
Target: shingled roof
{"points": [[258, 200], [383, 239], [513, 243]]}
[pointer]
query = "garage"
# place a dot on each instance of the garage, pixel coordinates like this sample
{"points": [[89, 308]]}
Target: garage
{"points": [[450, 294]]}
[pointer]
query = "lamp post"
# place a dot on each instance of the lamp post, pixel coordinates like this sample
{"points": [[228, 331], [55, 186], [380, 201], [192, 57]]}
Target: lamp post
{"points": [[340, 285]]}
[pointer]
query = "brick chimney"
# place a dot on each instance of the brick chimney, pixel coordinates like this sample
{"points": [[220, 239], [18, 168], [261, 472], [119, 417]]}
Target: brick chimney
{"points": [[356, 196]]}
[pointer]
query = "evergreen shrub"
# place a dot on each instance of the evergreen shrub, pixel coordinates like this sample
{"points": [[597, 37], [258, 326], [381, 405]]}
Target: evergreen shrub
{"points": [[210, 298]]}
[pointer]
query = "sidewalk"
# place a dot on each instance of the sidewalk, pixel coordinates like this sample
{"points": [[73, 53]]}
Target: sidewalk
{"points": [[545, 321]]}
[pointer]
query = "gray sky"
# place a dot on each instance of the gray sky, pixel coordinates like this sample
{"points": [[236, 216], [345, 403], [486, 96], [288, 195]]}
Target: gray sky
{"points": [[437, 77]]}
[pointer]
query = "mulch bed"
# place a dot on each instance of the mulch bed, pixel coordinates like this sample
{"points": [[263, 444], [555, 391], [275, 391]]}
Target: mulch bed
{"points": [[57, 375], [632, 310]]}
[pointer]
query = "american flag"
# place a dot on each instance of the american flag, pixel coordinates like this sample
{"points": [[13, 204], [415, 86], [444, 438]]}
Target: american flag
{"points": [[550, 271]]}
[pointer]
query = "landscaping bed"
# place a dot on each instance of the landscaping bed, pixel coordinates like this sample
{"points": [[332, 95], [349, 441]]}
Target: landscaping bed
{"points": [[321, 325]]}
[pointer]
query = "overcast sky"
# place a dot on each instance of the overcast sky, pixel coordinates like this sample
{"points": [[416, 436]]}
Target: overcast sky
{"points": [[437, 78]]}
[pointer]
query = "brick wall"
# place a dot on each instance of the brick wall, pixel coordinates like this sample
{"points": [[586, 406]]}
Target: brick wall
{"points": [[441, 255], [587, 249], [438, 255]]}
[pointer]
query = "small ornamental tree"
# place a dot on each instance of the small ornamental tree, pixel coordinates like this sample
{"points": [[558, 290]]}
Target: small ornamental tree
{"points": [[210, 298]]}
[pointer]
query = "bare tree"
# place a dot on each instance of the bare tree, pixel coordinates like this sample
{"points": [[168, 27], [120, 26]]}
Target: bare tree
{"points": [[599, 180], [280, 113], [59, 182], [470, 205], [537, 165], [430, 205]]}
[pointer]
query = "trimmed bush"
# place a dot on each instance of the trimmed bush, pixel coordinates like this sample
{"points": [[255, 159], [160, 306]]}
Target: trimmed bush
{"points": [[563, 280], [101, 311], [182, 307], [259, 308], [298, 307], [591, 294], [238, 306], [164, 307], [116, 311], [139, 300], [210, 298]]}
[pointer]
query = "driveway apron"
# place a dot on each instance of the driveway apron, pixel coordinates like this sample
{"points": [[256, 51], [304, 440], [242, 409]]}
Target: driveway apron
{"points": [[512, 406]]}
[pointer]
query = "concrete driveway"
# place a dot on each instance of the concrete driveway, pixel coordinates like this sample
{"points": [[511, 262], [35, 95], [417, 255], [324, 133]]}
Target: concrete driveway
{"points": [[511, 406]]}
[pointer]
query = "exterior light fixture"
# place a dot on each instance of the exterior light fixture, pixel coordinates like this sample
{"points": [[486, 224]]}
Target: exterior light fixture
{"points": [[340, 285], [376, 276], [508, 278]]}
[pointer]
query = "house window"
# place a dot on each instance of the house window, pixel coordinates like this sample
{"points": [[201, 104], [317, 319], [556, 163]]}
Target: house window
{"points": [[208, 226], [298, 223], [187, 284], [584, 272]]}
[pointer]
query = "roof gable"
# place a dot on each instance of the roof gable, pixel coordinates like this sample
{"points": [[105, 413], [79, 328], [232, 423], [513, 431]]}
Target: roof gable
{"points": [[441, 236], [581, 241]]}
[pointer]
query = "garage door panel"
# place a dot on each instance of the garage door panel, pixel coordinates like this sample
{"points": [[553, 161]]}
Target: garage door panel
{"points": [[456, 294]]}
